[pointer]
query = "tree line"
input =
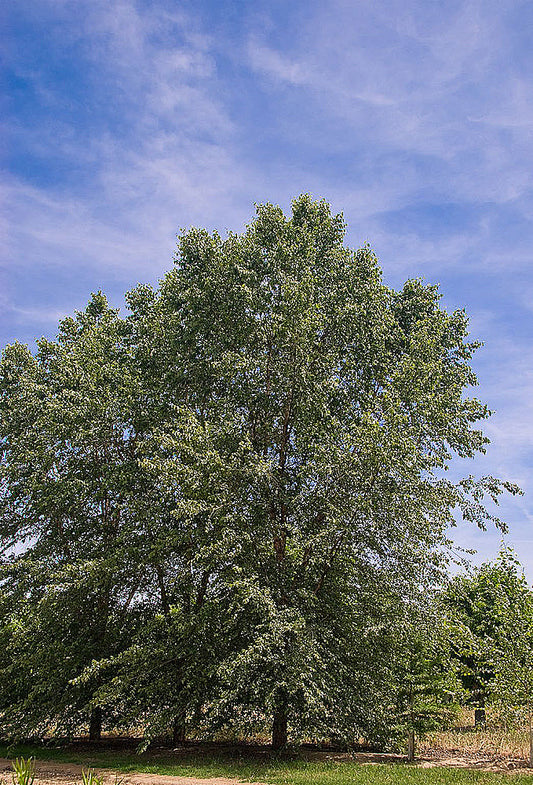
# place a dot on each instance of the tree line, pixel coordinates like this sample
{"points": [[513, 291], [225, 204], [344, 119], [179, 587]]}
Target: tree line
{"points": [[229, 507]]}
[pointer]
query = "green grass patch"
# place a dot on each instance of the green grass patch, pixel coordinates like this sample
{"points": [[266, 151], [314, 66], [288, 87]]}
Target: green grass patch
{"points": [[272, 770]]}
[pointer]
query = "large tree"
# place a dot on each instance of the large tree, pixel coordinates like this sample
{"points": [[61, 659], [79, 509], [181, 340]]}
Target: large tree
{"points": [[330, 405], [251, 463]]}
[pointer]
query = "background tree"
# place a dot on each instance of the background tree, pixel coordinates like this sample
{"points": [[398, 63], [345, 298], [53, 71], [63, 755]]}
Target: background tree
{"points": [[67, 479], [512, 688], [426, 687], [483, 601], [496, 602]]}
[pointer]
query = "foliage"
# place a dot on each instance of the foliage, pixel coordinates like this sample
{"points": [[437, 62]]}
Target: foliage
{"points": [[512, 685], [495, 605], [427, 690], [213, 510], [68, 471], [90, 777], [23, 771]]}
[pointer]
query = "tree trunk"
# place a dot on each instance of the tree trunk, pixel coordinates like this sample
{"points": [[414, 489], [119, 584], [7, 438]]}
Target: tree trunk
{"points": [[279, 728], [530, 737], [178, 731], [95, 724], [411, 746], [480, 718]]}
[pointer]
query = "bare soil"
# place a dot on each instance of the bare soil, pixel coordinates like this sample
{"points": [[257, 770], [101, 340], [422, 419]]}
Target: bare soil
{"points": [[56, 773]]}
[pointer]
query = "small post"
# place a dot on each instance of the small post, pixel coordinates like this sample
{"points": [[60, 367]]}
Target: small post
{"points": [[530, 737]]}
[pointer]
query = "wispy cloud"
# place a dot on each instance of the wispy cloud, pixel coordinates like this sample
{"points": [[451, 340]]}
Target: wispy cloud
{"points": [[411, 81], [46, 316], [132, 120], [169, 164]]}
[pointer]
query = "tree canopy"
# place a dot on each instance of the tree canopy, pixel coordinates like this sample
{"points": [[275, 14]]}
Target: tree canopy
{"points": [[243, 478]]}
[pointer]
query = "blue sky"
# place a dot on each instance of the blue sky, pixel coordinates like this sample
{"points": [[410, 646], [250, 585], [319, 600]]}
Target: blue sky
{"points": [[128, 120]]}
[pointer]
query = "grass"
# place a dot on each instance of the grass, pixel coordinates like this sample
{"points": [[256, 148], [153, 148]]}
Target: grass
{"points": [[272, 770]]}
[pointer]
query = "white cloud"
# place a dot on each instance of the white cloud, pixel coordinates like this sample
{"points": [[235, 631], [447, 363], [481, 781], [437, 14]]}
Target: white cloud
{"points": [[274, 64], [40, 315], [377, 107], [411, 81], [175, 164]]}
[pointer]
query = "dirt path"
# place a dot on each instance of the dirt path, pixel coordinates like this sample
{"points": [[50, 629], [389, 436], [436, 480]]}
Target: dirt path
{"points": [[446, 759], [54, 773]]}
